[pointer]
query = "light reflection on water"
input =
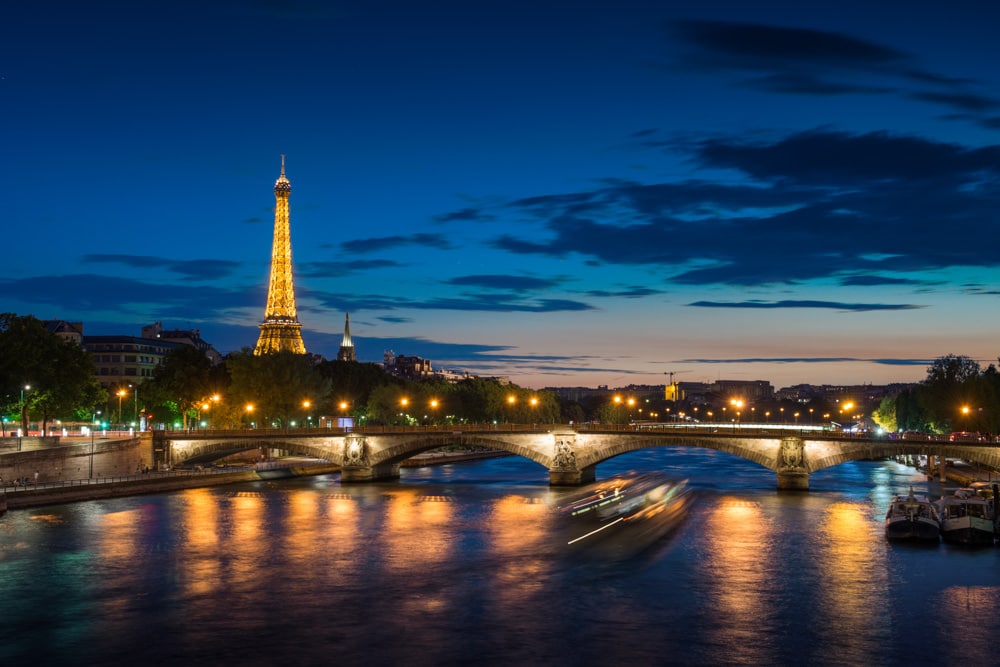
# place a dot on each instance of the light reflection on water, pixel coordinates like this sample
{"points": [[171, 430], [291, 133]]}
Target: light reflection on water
{"points": [[460, 564]]}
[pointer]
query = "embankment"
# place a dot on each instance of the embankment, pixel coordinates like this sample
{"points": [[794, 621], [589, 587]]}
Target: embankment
{"points": [[71, 493]]}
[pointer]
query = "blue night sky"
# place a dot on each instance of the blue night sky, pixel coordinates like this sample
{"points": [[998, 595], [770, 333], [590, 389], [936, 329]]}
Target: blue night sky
{"points": [[565, 193]]}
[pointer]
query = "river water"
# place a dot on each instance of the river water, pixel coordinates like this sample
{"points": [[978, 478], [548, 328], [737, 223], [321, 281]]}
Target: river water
{"points": [[459, 564]]}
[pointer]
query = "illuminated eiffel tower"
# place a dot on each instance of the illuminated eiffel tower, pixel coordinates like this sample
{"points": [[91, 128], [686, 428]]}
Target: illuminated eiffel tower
{"points": [[280, 331]]}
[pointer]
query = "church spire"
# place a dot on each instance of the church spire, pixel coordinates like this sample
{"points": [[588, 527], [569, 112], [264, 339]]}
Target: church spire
{"points": [[346, 352]]}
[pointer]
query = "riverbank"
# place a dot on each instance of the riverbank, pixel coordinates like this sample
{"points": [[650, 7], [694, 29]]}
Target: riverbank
{"points": [[82, 490], [153, 483]]}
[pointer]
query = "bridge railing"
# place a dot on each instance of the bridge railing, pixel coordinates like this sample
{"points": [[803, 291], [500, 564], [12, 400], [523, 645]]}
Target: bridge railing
{"points": [[700, 428]]}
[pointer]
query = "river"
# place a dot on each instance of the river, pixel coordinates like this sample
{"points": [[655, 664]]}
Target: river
{"points": [[458, 564]]}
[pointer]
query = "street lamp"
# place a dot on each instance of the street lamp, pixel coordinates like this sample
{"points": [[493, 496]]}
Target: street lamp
{"points": [[738, 404], [305, 406], [121, 393], [24, 420], [135, 403], [249, 410]]}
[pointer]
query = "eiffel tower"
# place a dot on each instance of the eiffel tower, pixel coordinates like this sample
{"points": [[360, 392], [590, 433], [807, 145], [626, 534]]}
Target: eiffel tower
{"points": [[280, 331]]}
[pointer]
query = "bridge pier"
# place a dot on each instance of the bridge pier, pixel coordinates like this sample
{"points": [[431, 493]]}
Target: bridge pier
{"points": [[792, 472], [572, 477], [382, 471], [793, 480]]}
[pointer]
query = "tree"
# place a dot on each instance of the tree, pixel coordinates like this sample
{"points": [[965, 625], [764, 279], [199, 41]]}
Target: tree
{"points": [[277, 384], [181, 382], [885, 414], [60, 373], [949, 385]]}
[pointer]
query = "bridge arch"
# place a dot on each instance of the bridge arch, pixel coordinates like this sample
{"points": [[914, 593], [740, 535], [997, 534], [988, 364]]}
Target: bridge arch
{"points": [[206, 451], [407, 448]]}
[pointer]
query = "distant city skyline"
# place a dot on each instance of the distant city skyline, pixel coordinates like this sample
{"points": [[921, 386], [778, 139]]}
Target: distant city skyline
{"points": [[566, 194]]}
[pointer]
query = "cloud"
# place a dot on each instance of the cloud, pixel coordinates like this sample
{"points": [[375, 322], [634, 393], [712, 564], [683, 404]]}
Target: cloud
{"points": [[627, 293], [340, 269], [146, 299], [804, 61], [487, 302], [808, 360], [194, 269], [755, 46], [867, 281], [841, 160], [834, 305], [515, 283], [818, 204], [465, 215], [438, 241]]}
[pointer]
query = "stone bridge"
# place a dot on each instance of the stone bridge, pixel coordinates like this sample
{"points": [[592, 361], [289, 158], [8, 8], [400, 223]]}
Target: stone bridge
{"points": [[570, 454]]}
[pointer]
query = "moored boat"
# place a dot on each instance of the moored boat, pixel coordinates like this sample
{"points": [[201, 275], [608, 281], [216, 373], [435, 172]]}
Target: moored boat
{"points": [[966, 518], [624, 515], [912, 518]]}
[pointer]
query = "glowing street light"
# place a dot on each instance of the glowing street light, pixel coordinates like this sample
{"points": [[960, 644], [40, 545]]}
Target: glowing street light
{"points": [[121, 393], [306, 404]]}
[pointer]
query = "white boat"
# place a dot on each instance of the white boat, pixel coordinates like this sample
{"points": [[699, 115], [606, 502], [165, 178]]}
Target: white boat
{"points": [[912, 518], [966, 518], [624, 515]]}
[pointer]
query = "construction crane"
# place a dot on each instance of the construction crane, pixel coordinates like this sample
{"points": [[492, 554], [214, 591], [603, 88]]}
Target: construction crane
{"points": [[672, 392]]}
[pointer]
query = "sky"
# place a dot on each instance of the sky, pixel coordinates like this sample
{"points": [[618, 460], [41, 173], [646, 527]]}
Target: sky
{"points": [[563, 193]]}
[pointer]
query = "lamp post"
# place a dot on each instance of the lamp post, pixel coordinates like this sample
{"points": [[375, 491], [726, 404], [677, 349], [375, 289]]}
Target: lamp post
{"points": [[135, 403], [121, 393], [738, 404], [24, 416], [305, 406]]}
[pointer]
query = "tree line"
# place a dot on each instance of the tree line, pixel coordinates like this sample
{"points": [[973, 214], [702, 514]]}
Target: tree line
{"points": [[958, 394], [186, 390], [45, 378]]}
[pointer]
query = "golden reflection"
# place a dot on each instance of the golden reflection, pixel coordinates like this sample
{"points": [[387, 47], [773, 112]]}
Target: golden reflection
{"points": [[300, 530], [738, 535], [117, 547], [200, 542], [117, 535], [248, 540], [417, 531], [965, 612], [853, 586], [522, 542], [341, 528]]}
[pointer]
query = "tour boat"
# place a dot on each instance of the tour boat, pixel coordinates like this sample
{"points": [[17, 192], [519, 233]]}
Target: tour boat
{"points": [[966, 518], [624, 515], [913, 518]]}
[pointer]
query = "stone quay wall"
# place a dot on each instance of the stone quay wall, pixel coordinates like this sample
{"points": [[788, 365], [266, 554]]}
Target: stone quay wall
{"points": [[76, 459]]}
